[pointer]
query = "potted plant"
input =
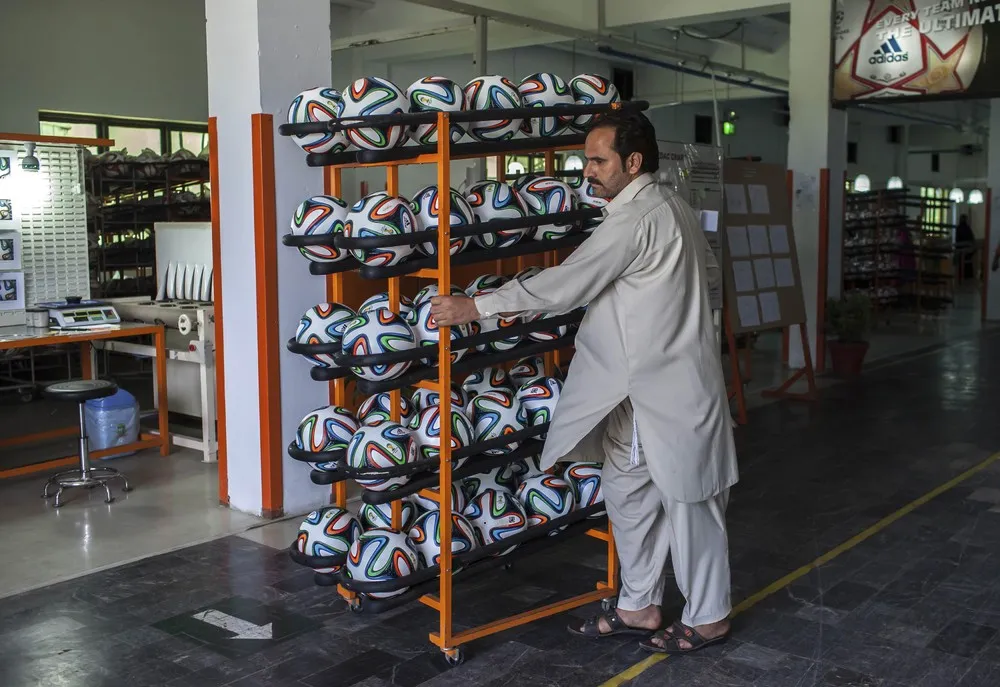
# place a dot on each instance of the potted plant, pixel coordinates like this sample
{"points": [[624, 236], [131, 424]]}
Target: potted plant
{"points": [[848, 323]]}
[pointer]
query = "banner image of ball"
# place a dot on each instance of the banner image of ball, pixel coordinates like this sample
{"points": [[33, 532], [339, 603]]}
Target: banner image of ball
{"points": [[902, 49]]}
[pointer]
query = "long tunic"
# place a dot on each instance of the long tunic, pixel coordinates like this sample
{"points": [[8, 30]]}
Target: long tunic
{"points": [[648, 335]]}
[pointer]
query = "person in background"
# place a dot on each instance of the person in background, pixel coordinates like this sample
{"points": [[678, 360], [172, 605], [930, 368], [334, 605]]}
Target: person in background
{"points": [[647, 371], [965, 248]]}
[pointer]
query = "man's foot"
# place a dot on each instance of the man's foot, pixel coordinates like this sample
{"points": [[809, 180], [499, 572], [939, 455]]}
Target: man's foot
{"points": [[617, 621], [681, 639]]}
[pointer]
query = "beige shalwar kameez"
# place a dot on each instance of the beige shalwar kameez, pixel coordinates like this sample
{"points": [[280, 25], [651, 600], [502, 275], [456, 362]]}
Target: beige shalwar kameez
{"points": [[646, 365]]}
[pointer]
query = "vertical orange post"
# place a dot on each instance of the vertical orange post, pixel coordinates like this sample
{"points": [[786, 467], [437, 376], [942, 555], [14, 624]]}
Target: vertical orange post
{"points": [[220, 361], [86, 362], [444, 368], [392, 188], [822, 269], [268, 341]]}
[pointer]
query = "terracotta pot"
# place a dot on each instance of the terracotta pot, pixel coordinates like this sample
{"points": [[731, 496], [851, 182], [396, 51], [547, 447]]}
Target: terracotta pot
{"points": [[848, 357]]}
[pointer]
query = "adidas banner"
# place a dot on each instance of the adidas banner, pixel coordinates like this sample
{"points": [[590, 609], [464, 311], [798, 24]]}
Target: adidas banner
{"points": [[906, 49]]}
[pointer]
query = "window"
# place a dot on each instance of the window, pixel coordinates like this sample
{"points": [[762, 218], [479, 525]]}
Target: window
{"points": [[134, 135], [852, 153], [935, 162], [703, 129]]}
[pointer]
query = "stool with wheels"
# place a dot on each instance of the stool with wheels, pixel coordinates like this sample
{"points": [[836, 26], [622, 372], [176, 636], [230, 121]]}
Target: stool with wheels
{"points": [[80, 391]]}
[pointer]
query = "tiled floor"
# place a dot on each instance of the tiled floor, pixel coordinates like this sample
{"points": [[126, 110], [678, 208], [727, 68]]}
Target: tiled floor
{"points": [[915, 605]]}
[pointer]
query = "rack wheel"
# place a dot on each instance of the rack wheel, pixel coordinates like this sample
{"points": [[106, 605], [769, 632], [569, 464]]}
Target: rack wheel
{"points": [[607, 604], [454, 657], [355, 605], [27, 395]]}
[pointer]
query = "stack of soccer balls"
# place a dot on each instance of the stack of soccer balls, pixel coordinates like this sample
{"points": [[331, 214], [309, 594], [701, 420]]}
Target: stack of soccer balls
{"points": [[375, 96]]}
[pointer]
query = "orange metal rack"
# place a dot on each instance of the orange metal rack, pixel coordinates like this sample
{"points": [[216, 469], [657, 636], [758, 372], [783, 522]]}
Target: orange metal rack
{"points": [[445, 637]]}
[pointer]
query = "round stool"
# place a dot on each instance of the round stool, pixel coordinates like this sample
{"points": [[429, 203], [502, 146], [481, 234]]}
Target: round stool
{"points": [[80, 391]]}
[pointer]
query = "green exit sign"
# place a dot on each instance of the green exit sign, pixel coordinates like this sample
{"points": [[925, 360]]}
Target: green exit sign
{"points": [[728, 128]]}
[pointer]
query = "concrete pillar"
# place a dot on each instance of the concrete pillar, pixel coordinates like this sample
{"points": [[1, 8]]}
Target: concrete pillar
{"points": [[993, 181], [817, 139], [261, 54]]}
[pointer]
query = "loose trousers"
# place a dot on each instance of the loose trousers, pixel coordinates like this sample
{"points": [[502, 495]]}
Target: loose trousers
{"points": [[648, 525]]}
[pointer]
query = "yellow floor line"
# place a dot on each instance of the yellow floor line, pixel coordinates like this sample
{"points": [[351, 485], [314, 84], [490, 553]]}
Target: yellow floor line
{"points": [[634, 671]]}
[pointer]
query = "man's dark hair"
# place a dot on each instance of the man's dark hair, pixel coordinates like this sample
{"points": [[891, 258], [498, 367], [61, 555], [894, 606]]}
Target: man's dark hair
{"points": [[634, 133]]}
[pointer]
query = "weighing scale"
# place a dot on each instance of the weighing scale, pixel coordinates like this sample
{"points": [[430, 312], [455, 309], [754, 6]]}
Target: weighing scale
{"points": [[76, 312]]}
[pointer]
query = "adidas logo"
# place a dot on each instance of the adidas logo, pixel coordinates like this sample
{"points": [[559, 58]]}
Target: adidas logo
{"points": [[889, 51]]}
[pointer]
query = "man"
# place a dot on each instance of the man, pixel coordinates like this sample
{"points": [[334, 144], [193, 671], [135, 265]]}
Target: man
{"points": [[647, 367]]}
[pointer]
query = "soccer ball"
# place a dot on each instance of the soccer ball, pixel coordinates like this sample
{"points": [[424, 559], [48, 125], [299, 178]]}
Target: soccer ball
{"points": [[379, 516], [427, 505], [485, 281], [527, 370], [545, 498], [506, 478], [528, 273], [380, 214], [320, 215], [368, 97], [383, 446], [328, 531], [546, 334], [435, 94], [545, 196], [431, 290], [538, 399], [326, 429], [586, 198], [428, 333], [375, 333], [492, 200], [318, 105], [591, 89], [426, 536], [496, 414], [496, 515], [428, 398], [545, 90], [492, 93], [323, 324], [381, 300], [378, 409], [526, 179], [585, 481], [487, 379], [381, 555], [426, 206], [426, 428], [492, 324]]}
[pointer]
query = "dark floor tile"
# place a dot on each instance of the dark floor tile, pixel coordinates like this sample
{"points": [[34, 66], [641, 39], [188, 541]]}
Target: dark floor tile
{"points": [[981, 674], [416, 671], [353, 670], [842, 677], [846, 596], [963, 639]]}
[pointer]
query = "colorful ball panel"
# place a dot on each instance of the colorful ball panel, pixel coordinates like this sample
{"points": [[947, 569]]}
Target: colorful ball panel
{"points": [[487, 379], [381, 300], [375, 333], [380, 214], [545, 498], [327, 531], [377, 409], [318, 105], [585, 481], [427, 433], [428, 398], [426, 206], [458, 500], [485, 281], [379, 516], [493, 93], [435, 94], [426, 536], [320, 215], [495, 200], [539, 399], [493, 324], [496, 515], [545, 196], [368, 97], [496, 414], [323, 324], [386, 445], [545, 90], [428, 333], [381, 555], [591, 89]]}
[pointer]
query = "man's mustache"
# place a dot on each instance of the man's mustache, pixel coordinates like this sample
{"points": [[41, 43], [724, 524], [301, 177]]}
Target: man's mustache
{"points": [[592, 180]]}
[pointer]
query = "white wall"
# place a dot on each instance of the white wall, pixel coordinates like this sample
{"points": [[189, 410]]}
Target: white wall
{"points": [[134, 58]]}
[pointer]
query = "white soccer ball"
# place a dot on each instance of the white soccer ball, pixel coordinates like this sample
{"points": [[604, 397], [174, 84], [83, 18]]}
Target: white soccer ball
{"points": [[545, 196], [587, 198], [527, 370], [426, 208], [428, 334], [381, 300], [318, 105], [325, 430], [374, 333], [435, 94], [320, 215], [380, 214], [323, 324], [496, 515], [383, 446], [584, 480], [325, 532], [426, 430], [485, 281], [381, 555], [528, 273], [368, 97], [545, 498], [379, 516], [505, 478], [545, 90], [428, 505], [489, 325], [377, 409], [492, 93], [492, 200], [546, 334], [428, 292], [428, 398], [539, 398], [487, 379], [495, 414], [591, 89], [426, 536]]}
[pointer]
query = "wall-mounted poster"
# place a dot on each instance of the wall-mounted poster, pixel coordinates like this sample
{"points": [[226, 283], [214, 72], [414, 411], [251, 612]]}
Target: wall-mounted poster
{"points": [[923, 49], [8, 208], [10, 250]]}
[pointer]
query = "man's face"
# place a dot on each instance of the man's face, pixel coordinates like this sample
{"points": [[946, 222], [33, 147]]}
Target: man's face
{"points": [[605, 169]]}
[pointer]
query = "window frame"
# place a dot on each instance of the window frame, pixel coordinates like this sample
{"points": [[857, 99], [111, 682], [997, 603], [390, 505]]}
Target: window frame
{"points": [[104, 123]]}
